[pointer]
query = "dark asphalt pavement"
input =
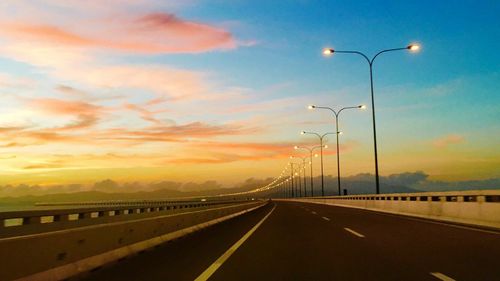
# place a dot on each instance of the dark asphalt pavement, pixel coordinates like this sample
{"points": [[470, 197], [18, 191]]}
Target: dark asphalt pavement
{"points": [[301, 241]]}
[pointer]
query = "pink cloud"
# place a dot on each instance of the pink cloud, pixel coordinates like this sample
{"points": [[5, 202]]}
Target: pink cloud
{"points": [[144, 113], [45, 33], [86, 114], [444, 141], [149, 33], [167, 33], [57, 107], [190, 130]]}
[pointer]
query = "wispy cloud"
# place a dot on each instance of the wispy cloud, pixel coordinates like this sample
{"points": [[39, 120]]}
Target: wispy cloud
{"points": [[147, 33], [445, 141]]}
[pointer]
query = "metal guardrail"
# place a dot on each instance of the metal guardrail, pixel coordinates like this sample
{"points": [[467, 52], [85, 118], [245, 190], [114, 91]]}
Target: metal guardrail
{"points": [[490, 196], [63, 248], [87, 213], [472, 207]]}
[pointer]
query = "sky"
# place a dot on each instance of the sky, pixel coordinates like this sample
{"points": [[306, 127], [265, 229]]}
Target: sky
{"points": [[145, 90]]}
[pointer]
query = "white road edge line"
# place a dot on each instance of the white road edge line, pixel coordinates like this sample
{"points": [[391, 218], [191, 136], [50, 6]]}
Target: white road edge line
{"points": [[212, 268], [441, 276], [326, 219], [354, 232], [314, 213]]}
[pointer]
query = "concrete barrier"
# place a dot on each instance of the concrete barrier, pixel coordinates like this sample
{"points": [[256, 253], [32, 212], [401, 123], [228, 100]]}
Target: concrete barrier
{"points": [[18, 223], [59, 254], [471, 207]]}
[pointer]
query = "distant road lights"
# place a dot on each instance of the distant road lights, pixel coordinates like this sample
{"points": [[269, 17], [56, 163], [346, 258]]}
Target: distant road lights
{"points": [[362, 106], [321, 154], [303, 171], [413, 48], [310, 150]]}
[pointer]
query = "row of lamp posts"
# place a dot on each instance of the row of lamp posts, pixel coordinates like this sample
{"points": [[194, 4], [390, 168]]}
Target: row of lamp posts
{"points": [[298, 192]]}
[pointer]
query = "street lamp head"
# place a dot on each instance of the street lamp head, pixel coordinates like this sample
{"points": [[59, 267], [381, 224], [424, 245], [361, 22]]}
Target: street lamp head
{"points": [[291, 157], [325, 146], [362, 106], [340, 133], [295, 147], [302, 133], [413, 47], [316, 155], [328, 51], [311, 107]]}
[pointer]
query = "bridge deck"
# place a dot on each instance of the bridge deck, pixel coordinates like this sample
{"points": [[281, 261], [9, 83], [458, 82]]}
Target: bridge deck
{"points": [[301, 241]]}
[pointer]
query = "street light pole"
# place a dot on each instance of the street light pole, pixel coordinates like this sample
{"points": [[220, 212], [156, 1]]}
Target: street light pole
{"points": [[321, 156], [412, 47], [297, 172], [310, 150], [336, 114], [299, 185], [303, 171]]}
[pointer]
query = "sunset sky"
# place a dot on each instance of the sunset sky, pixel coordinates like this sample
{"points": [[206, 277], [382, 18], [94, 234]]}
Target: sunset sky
{"points": [[194, 90]]}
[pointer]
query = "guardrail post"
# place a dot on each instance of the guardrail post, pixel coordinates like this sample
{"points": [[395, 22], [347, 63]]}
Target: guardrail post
{"points": [[31, 220]]}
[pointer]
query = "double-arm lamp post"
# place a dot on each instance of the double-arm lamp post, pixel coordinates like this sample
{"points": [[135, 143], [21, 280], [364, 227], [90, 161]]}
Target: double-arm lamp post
{"points": [[321, 146], [336, 114], [329, 52]]}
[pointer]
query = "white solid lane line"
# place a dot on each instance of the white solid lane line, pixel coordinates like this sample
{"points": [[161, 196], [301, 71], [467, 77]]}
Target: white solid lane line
{"points": [[314, 213], [326, 219], [212, 268], [441, 276], [354, 232]]}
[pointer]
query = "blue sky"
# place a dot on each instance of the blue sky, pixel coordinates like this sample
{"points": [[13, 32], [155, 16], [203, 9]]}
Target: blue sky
{"points": [[108, 87]]}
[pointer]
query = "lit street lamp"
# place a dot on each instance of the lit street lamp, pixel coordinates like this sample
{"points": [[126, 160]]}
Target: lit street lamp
{"points": [[311, 160], [329, 52], [296, 172], [321, 146], [291, 178], [336, 114], [303, 171]]}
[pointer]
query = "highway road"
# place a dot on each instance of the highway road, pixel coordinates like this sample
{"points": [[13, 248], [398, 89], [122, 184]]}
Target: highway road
{"points": [[301, 241]]}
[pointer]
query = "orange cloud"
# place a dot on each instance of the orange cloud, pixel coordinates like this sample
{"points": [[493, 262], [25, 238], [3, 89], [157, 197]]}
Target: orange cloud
{"points": [[43, 166], [11, 129], [144, 113], [149, 33], [444, 141], [175, 133], [72, 92], [179, 35], [247, 146], [46, 33], [56, 106], [86, 113]]}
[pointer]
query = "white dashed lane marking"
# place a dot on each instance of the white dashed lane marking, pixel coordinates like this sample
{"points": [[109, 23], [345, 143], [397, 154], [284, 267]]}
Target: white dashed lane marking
{"points": [[441, 276], [354, 232]]}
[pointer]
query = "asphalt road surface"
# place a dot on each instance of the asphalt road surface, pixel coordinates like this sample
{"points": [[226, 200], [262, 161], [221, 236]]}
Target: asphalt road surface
{"points": [[301, 241]]}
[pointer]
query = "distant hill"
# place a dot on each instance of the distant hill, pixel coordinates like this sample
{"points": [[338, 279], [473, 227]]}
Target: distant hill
{"points": [[107, 190]]}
